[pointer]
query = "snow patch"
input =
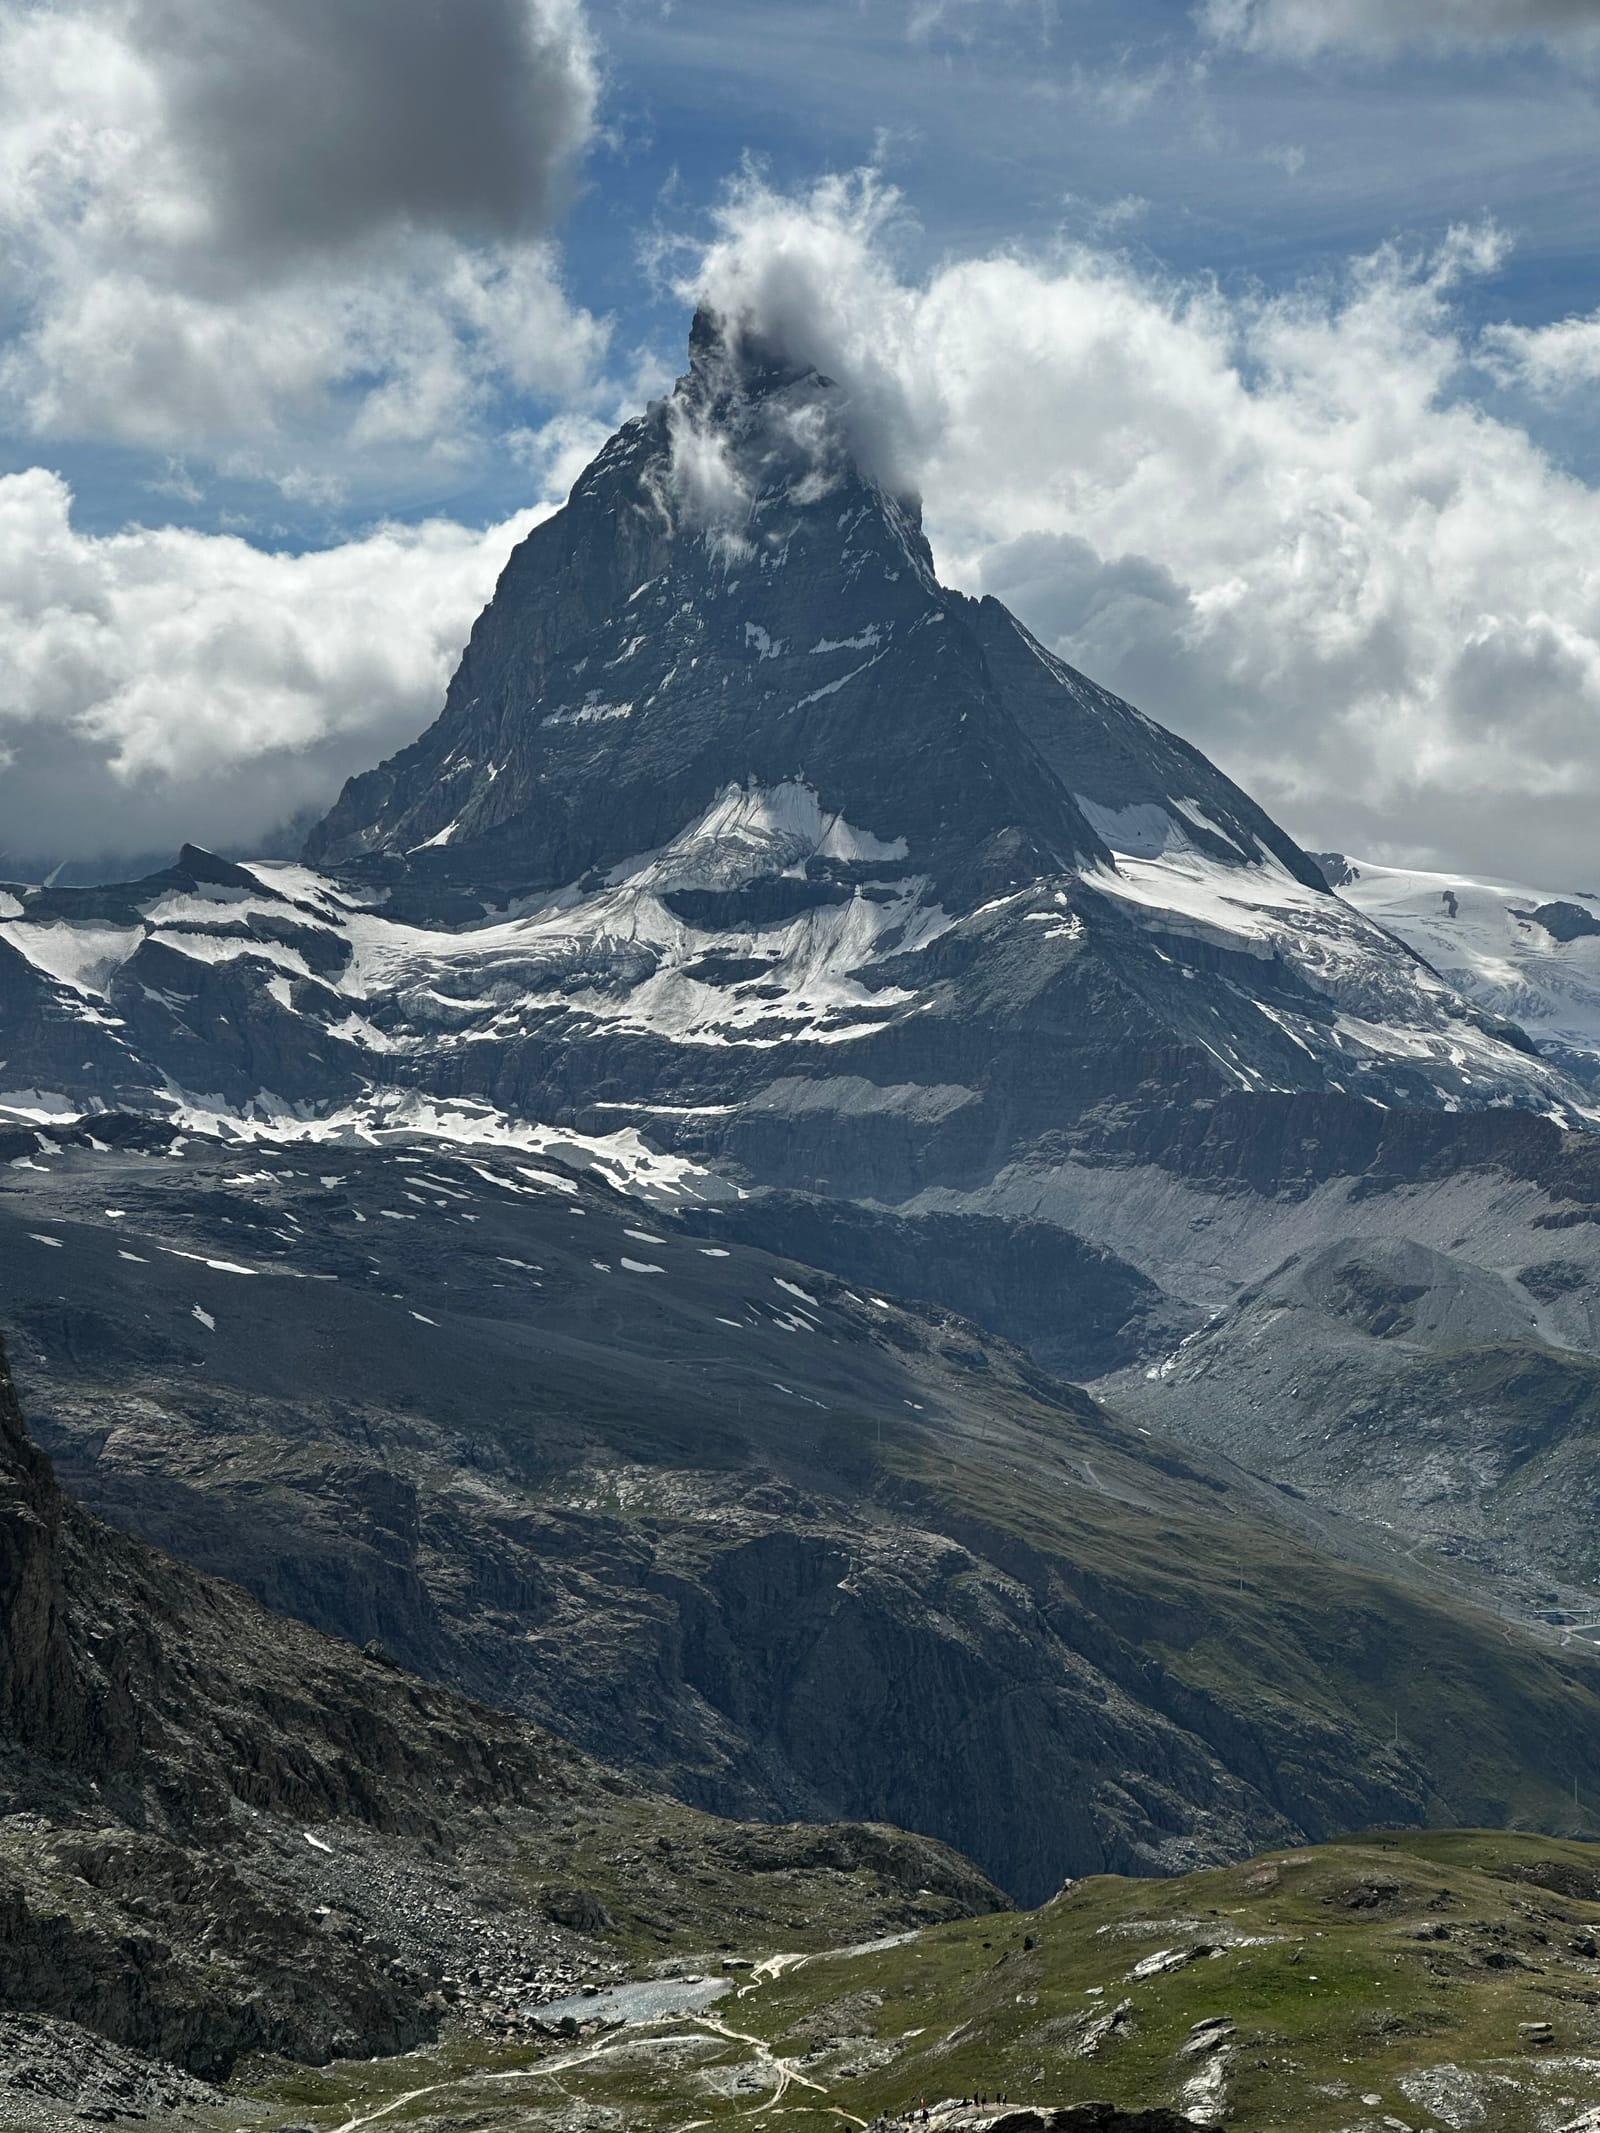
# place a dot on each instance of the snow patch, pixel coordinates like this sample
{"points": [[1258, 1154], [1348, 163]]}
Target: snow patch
{"points": [[83, 957], [866, 640], [1145, 830], [592, 711]]}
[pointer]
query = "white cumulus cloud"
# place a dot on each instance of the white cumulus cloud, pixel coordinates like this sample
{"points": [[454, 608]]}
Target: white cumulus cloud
{"points": [[163, 685], [1283, 525]]}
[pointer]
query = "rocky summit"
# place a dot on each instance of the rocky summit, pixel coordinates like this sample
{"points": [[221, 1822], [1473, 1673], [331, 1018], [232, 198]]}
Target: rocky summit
{"points": [[608, 1234]]}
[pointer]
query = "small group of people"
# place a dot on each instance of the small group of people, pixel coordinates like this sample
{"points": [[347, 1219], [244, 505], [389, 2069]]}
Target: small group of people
{"points": [[919, 2114]]}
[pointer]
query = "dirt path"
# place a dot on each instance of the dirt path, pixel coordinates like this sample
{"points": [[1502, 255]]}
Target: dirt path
{"points": [[783, 2073]]}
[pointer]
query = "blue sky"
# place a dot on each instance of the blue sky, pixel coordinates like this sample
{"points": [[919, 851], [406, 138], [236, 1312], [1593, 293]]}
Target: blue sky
{"points": [[228, 430]]}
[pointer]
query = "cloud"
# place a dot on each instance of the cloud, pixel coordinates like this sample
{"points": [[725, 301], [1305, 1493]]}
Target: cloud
{"points": [[163, 685], [1547, 360], [814, 274], [220, 222], [1301, 29], [1280, 524], [315, 124]]}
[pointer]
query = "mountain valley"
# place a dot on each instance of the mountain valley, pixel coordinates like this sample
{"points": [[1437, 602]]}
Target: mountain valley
{"points": [[778, 1544]]}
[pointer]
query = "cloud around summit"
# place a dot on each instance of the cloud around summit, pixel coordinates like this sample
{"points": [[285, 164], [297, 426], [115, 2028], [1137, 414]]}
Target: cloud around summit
{"points": [[1289, 526]]}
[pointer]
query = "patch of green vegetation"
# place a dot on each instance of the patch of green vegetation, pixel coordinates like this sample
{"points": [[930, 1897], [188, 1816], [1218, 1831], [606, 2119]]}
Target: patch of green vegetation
{"points": [[1454, 1975]]}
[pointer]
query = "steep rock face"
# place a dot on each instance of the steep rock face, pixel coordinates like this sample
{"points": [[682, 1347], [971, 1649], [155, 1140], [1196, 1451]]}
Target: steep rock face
{"points": [[726, 596], [41, 1698]]}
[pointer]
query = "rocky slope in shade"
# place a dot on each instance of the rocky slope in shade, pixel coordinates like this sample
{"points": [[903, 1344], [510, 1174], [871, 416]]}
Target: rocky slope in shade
{"points": [[789, 1547], [221, 1832], [1451, 1402]]}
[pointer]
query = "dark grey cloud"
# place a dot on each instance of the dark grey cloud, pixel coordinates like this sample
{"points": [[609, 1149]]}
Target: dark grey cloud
{"points": [[314, 124], [223, 222]]}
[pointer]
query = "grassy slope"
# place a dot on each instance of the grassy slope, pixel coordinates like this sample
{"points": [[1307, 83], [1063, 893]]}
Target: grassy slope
{"points": [[1397, 1967]]}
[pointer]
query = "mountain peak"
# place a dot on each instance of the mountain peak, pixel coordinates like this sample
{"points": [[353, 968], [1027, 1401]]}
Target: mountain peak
{"points": [[752, 430], [751, 774], [734, 356]]}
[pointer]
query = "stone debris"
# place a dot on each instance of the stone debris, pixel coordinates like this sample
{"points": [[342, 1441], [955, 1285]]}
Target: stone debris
{"points": [[53, 2073], [1166, 1959], [1115, 2021]]}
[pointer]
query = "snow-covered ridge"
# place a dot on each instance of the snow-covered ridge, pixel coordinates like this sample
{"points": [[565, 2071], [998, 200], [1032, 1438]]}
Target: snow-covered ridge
{"points": [[1513, 950], [758, 926], [1352, 956], [623, 956], [620, 955]]}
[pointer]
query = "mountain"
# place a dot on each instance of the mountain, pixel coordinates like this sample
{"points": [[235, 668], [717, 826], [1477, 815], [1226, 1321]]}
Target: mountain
{"points": [[612, 1223], [749, 858], [221, 1833]]}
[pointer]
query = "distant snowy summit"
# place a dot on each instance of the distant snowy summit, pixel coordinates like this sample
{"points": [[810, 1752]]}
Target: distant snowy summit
{"points": [[1531, 955]]}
